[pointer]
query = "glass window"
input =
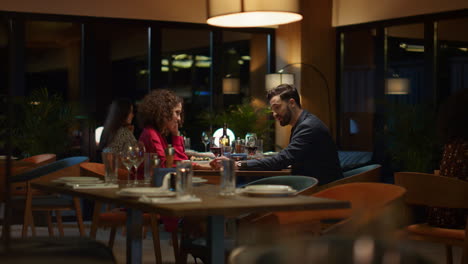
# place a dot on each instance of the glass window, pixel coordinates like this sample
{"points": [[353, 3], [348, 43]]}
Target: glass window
{"points": [[453, 56], [358, 88], [52, 57], [185, 68], [405, 65]]}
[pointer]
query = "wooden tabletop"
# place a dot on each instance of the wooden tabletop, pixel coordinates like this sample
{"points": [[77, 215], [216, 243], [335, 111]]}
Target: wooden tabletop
{"points": [[211, 204]]}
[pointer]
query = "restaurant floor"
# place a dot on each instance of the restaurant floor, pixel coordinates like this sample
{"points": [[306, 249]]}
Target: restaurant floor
{"points": [[433, 252]]}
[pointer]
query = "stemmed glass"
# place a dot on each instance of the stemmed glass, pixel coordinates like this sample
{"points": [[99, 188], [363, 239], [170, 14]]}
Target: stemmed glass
{"points": [[205, 139], [132, 157]]}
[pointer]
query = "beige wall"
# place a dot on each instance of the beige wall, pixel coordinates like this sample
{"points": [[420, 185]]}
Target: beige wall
{"points": [[173, 10], [347, 12]]}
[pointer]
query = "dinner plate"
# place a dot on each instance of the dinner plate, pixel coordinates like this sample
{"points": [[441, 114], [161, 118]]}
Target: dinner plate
{"points": [[80, 180], [198, 180], [146, 191], [269, 190]]}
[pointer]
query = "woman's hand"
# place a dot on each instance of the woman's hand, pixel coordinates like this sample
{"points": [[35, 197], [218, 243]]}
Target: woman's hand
{"points": [[216, 163]]}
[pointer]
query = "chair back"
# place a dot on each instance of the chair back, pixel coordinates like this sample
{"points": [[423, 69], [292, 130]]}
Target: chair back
{"points": [[369, 173], [94, 169], [41, 159], [49, 168], [432, 190], [299, 183], [159, 175]]}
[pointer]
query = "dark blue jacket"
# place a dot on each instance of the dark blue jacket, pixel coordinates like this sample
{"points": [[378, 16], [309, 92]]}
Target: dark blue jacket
{"points": [[311, 152]]}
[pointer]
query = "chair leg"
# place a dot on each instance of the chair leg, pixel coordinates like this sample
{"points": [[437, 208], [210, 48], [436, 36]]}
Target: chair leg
{"points": [[112, 236], [58, 216], [449, 255], [95, 223], [33, 226], [175, 245], [156, 239], [50, 226], [27, 211], [79, 216]]}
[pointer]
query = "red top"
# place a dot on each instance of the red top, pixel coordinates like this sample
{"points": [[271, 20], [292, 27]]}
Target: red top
{"points": [[156, 143]]}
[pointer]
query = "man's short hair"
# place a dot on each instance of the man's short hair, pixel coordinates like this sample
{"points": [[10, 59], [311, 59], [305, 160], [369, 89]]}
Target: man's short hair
{"points": [[286, 92]]}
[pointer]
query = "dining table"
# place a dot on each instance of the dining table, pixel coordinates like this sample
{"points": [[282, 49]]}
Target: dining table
{"points": [[211, 205], [214, 176]]}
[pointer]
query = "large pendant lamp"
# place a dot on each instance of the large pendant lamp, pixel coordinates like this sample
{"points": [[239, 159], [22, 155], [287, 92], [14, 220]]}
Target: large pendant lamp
{"points": [[252, 13]]}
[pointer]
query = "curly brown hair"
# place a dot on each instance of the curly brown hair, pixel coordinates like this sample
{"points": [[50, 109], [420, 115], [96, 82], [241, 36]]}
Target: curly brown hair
{"points": [[157, 108]]}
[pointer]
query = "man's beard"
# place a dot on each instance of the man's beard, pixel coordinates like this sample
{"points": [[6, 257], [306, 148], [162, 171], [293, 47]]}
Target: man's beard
{"points": [[286, 119]]}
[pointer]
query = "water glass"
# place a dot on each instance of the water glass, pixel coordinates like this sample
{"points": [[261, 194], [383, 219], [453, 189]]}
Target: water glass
{"points": [[228, 178], [184, 178], [151, 162], [111, 166]]}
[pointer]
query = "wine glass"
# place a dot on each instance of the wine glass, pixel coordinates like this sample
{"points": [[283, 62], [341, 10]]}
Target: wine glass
{"points": [[139, 157], [128, 157], [215, 147], [205, 139]]}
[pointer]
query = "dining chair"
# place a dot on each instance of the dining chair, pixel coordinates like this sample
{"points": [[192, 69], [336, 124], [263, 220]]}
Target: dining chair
{"points": [[38, 201], [368, 201], [369, 173], [116, 218], [197, 247], [436, 191]]}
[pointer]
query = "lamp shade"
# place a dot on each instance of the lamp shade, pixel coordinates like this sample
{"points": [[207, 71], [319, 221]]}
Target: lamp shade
{"points": [[272, 80], [397, 86], [252, 13], [231, 85]]}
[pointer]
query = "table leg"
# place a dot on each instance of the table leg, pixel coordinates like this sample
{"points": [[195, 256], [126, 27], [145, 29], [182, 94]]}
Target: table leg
{"points": [[215, 239], [134, 236]]}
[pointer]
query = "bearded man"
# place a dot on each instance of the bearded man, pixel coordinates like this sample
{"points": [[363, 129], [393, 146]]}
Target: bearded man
{"points": [[311, 150]]}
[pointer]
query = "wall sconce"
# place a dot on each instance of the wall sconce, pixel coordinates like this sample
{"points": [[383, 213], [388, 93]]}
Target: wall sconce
{"points": [[231, 85], [272, 80], [252, 13], [397, 86]]}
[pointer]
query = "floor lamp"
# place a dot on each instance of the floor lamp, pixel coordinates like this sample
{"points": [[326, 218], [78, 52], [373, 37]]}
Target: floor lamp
{"points": [[272, 80]]}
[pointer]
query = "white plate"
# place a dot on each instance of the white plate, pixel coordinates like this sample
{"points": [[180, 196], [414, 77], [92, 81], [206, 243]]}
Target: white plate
{"points": [[198, 180], [146, 191], [78, 180], [269, 190]]}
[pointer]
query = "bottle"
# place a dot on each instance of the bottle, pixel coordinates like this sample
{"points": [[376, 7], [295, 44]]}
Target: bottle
{"points": [[169, 156], [224, 139]]}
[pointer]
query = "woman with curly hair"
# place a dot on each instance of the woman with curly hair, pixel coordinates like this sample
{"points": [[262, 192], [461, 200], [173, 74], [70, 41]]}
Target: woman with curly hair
{"points": [[160, 115]]}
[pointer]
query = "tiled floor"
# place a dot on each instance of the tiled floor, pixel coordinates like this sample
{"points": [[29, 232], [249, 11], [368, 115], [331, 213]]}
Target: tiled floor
{"points": [[433, 252]]}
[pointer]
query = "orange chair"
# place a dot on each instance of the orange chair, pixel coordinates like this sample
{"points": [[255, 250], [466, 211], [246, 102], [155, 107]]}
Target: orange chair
{"points": [[367, 200], [436, 191], [369, 173], [116, 218]]}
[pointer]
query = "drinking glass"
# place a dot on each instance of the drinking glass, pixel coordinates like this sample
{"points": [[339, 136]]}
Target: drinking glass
{"points": [[152, 162], [228, 178], [205, 138], [184, 178], [111, 166], [215, 147], [132, 157]]}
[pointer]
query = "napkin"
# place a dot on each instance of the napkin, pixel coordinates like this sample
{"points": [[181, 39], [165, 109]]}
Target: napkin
{"points": [[170, 200], [92, 186]]}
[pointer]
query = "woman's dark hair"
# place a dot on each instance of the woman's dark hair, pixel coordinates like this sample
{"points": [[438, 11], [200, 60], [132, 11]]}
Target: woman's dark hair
{"points": [[116, 118], [286, 92], [452, 119], [156, 109]]}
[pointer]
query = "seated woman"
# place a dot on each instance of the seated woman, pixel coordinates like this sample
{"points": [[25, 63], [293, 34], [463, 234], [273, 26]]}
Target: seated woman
{"points": [[118, 128], [453, 131], [160, 114]]}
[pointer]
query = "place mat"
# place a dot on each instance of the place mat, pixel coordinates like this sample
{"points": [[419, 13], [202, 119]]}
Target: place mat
{"points": [[167, 200]]}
